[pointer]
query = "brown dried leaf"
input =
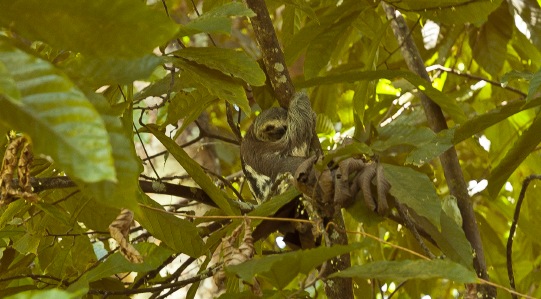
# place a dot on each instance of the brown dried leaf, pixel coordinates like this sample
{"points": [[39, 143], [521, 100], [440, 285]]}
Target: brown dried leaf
{"points": [[119, 231]]}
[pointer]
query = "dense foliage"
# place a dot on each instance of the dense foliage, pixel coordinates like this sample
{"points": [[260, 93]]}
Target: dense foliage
{"points": [[122, 100]]}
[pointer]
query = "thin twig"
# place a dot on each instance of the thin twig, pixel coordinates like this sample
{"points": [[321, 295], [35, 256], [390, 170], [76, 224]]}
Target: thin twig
{"points": [[409, 224], [201, 276], [473, 77], [513, 229]]}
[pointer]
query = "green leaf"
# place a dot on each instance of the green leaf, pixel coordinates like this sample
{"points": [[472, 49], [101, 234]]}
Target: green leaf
{"points": [[524, 146], [450, 208], [8, 86], [454, 11], [194, 170], [7, 213], [120, 28], [322, 46], [447, 104], [271, 206], [483, 121], [228, 61], [303, 6], [217, 20], [365, 91], [280, 269], [163, 86], [97, 72], [189, 103], [402, 134], [456, 246], [535, 84], [515, 75], [353, 149], [58, 117], [178, 234], [490, 43], [46, 294], [426, 152], [122, 193], [410, 269], [28, 243], [415, 190], [218, 84], [304, 37]]}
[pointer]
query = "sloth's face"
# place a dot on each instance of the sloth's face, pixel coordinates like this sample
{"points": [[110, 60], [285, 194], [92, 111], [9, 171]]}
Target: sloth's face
{"points": [[271, 125]]}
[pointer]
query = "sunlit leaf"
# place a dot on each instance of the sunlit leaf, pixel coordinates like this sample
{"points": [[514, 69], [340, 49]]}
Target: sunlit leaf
{"points": [[526, 143], [454, 11], [410, 269], [486, 120], [446, 103], [58, 117], [123, 192]]}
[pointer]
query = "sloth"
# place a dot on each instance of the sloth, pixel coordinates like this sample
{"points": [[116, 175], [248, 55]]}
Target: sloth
{"points": [[276, 143]]}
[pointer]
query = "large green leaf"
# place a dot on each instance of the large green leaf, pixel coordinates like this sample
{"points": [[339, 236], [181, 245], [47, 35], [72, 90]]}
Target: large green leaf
{"points": [[322, 46], [180, 235], [194, 170], [410, 269], [121, 28], [217, 20], [123, 192], [483, 121], [490, 43], [294, 47], [97, 71], [447, 104], [280, 269], [228, 61], [189, 103], [58, 117], [426, 152], [8, 86], [415, 190], [526, 144], [218, 84], [453, 11]]}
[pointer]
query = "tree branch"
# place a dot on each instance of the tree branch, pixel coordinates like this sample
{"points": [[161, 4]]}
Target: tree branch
{"points": [[199, 195], [273, 57], [449, 159]]}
